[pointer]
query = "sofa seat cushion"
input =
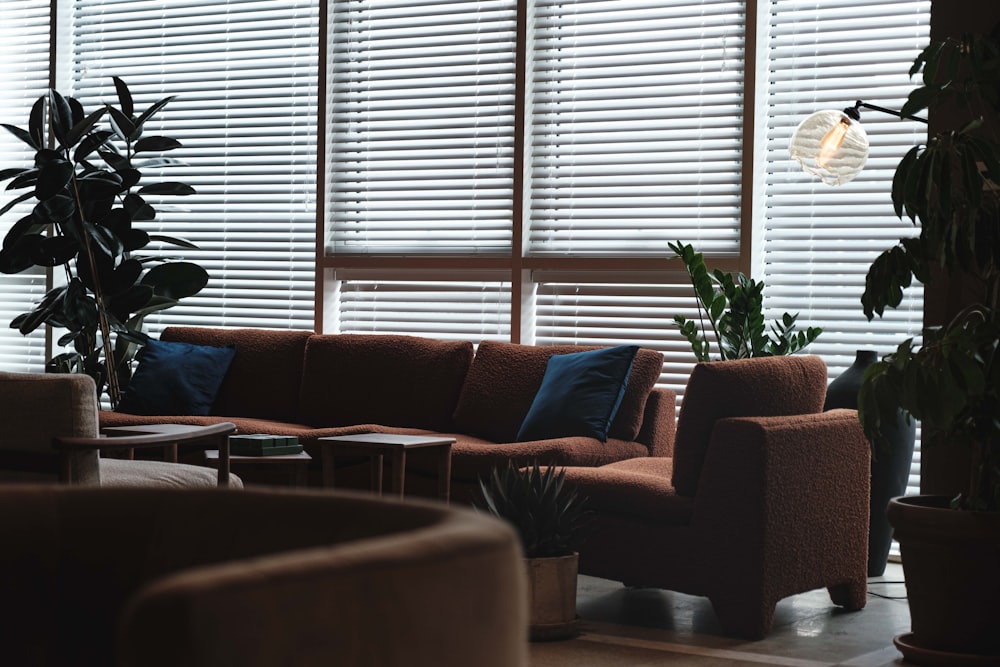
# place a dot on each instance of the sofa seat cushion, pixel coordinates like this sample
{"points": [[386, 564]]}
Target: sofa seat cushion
{"points": [[473, 457], [638, 488], [265, 375], [756, 387], [504, 378], [123, 473], [392, 380]]}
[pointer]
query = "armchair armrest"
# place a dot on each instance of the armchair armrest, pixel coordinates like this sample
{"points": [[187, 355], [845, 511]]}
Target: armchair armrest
{"points": [[789, 494], [147, 437]]}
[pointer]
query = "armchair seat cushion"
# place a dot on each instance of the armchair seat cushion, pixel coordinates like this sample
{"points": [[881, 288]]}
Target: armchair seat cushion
{"points": [[638, 488], [127, 473]]}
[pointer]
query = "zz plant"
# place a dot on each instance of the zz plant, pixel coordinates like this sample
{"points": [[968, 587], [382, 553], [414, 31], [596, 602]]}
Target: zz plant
{"points": [[734, 307], [87, 221], [549, 516]]}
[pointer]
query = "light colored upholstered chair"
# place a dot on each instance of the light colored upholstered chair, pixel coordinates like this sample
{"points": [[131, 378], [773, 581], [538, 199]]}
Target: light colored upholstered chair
{"points": [[254, 578], [764, 496], [50, 432]]}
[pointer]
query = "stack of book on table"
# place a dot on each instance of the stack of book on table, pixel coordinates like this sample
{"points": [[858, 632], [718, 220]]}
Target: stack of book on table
{"points": [[264, 445]]}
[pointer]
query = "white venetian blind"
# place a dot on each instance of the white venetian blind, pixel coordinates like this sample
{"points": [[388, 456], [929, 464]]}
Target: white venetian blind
{"points": [[819, 240], [245, 76], [421, 112], [635, 125], [447, 309], [24, 76]]}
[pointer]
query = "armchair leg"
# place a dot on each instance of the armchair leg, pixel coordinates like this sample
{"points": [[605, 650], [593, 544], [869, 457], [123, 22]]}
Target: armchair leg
{"points": [[852, 595], [742, 617]]}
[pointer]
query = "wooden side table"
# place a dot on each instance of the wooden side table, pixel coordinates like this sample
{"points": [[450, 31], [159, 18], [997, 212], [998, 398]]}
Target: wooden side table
{"points": [[376, 445], [294, 465]]}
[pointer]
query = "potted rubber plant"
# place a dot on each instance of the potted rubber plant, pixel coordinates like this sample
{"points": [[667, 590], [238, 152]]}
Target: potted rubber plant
{"points": [[733, 306], [550, 518], [90, 205], [950, 382]]}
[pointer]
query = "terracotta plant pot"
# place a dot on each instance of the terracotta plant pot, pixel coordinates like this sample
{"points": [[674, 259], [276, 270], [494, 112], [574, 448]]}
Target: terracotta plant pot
{"points": [[552, 584], [951, 562]]}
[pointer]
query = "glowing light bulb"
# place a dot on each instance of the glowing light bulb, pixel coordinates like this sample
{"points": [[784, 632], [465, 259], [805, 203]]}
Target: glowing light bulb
{"points": [[832, 142]]}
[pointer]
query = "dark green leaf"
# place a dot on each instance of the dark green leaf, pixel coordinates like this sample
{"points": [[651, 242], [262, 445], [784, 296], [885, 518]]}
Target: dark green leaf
{"points": [[124, 97], [53, 179], [121, 124], [148, 144], [91, 143], [151, 111], [62, 117], [182, 243], [12, 172], [83, 127], [134, 239], [22, 135], [55, 251], [36, 122], [176, 280], [167, 188], [138, 209], [29, 179], [14, 202]]}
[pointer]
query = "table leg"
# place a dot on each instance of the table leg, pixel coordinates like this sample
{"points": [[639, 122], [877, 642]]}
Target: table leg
{"points": [[326, 456], [398, 470], [444, 473], [376, 473]]}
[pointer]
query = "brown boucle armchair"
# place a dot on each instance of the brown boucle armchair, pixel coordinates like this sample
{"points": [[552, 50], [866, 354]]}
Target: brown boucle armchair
{"points": [[254, 578], [765, 496]]}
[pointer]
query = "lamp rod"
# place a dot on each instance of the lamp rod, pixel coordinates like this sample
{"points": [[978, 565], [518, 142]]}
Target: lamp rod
{"points": [[853, 111]]}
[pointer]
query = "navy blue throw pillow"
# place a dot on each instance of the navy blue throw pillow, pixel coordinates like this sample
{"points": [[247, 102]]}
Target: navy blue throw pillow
{"points": [[176, 379], [580, 394]]}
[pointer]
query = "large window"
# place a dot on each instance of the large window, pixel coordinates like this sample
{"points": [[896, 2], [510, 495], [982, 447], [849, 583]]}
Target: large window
{"points": [[569, 142], [505, 169]]}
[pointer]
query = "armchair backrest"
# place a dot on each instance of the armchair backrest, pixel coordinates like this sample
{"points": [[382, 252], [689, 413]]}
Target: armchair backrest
{"points": [[37, 408], [756, 387]]}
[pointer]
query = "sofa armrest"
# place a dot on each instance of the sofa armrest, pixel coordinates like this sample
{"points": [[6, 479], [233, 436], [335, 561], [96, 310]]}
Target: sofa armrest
{"points": [[659, 422], [789, 494]]}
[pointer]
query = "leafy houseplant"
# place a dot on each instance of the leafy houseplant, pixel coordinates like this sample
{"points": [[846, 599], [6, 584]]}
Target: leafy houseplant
{"points": [[734, 308], [87, 220], [950, 382], [550, 519], [549, 516]]}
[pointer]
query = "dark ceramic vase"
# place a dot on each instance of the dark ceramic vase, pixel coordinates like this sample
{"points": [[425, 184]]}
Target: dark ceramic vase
{"points": [[890, 467]]}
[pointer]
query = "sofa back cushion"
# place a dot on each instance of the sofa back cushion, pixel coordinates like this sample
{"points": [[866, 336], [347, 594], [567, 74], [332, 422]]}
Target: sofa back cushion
{"points": [[505, 377], [264, 377], [757, 387], [388, 380]]}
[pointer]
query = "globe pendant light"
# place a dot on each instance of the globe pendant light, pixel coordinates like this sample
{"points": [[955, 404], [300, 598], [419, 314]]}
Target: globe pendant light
{"points": [[831, 145]]}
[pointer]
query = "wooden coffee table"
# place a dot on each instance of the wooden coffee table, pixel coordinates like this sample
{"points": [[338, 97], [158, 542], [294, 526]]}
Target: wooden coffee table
{"points": [[376, 445]]}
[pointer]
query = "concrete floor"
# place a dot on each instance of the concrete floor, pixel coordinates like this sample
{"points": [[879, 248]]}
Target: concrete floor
{"points": [[645, 627]]}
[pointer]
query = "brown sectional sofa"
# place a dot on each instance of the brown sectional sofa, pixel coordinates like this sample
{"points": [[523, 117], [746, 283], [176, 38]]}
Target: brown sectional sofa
{"points": [[288, 382]]}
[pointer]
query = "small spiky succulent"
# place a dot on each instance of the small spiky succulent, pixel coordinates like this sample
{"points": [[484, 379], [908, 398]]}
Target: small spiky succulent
{"points": [[549, 515]]}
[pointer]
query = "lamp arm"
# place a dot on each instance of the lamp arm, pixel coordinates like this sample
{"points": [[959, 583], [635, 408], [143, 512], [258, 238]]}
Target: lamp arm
{"points": [[853, 111]]}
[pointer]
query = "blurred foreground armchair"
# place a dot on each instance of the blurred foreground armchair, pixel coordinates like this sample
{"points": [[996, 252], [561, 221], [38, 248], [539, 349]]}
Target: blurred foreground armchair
{"points": [[254, 578]]}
